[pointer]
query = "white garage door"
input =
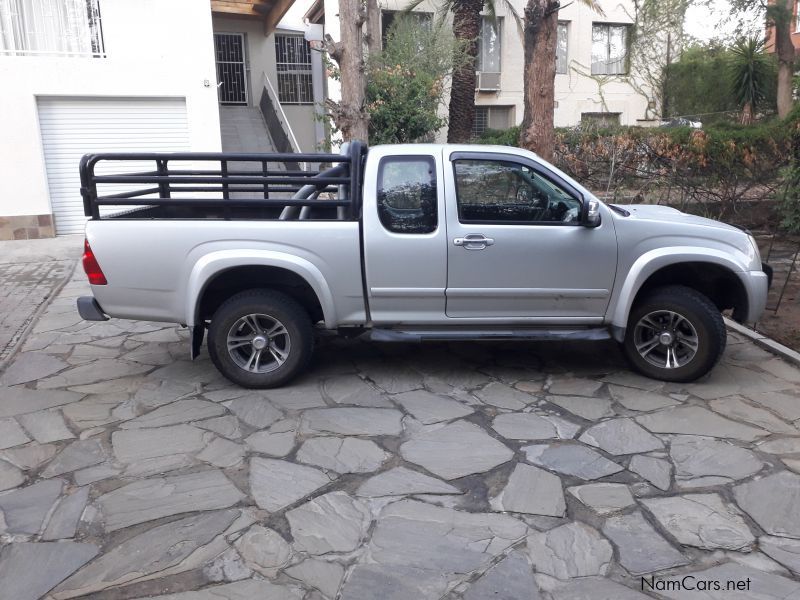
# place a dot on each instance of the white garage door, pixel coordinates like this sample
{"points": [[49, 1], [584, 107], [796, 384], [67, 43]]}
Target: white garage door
{"points": [[72, 127]]}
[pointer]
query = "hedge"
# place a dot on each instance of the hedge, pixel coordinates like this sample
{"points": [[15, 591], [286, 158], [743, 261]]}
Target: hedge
{"points": [[719, 165]]}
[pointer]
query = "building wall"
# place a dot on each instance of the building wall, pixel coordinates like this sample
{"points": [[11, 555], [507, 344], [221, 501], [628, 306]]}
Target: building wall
{"points": [[576, 92], [161, 48], [260, 59]]}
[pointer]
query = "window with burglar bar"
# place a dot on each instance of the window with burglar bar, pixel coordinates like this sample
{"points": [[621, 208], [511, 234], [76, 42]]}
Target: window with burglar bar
{"points": [[609, 49], [293, 59], [491, 117], [51, 28]]}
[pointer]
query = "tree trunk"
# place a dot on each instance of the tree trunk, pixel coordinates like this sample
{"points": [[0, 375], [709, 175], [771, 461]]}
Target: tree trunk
{"points": [[373, 27], [350, 114], [785, 51], [541, 32], [466, 28], [746, 117]]}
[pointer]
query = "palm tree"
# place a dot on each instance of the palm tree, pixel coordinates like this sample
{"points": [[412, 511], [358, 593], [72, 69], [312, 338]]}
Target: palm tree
{"points": [[466, 29], [540, 31], [750, 71], [780, 22]]}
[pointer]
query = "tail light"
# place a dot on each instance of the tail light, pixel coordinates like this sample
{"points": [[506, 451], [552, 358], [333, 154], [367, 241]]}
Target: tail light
{"points": [[92, 267]]}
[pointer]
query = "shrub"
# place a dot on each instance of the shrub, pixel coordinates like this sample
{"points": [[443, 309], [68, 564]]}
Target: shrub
{"points": [[700, 84], [500, 137], [790, 192], [718, 166], [406, 81]]}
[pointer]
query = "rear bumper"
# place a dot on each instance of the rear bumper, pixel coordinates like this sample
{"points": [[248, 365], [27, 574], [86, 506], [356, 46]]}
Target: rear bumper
{"points": [[90, 310]]}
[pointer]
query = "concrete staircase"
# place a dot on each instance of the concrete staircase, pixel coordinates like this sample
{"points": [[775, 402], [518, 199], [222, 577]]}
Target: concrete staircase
{"points": [[243, 130]]}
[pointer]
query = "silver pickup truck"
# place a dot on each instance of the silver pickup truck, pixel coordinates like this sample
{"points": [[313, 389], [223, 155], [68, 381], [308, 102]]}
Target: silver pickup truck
{"points": [[404, 243]]}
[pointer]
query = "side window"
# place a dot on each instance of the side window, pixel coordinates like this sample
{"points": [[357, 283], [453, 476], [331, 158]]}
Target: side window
{"points": [[407, 194], [491, 191]]}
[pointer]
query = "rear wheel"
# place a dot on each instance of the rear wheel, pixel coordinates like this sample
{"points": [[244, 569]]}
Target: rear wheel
{"points": [[260, 339], [674, 334]]}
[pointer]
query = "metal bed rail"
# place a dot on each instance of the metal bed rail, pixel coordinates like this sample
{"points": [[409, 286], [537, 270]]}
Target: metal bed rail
{"points": [[215, 178]]}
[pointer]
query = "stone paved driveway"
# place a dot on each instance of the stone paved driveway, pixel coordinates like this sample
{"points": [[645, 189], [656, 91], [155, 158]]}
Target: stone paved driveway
{"points": [[30, 271], [468, 471]]}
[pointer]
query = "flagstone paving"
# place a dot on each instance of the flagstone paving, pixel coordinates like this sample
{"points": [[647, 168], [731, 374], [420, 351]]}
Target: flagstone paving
{"points": [[442, 471]]}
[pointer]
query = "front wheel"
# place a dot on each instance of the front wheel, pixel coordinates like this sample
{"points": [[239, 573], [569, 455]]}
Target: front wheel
{"points": [[674, 334], [260, 339]]}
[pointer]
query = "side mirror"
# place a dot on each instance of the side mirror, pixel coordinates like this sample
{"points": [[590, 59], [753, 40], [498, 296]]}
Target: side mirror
{"points": [[590, 213]]}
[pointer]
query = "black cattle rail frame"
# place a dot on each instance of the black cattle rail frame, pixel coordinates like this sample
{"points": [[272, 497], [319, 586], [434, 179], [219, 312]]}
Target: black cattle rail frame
{"points": [[300, 188]]}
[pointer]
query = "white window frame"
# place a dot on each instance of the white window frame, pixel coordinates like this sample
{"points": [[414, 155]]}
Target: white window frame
{"points": [[562, 66], [496, 26], [625, 27], [797, 16], [57, 28]]}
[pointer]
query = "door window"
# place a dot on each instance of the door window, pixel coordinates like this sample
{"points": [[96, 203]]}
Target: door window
{"points": [[496, 191], [407, 194]]}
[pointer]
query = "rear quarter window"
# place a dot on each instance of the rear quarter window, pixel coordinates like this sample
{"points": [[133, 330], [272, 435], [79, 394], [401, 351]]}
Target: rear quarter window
{"points": [[407, 194]]}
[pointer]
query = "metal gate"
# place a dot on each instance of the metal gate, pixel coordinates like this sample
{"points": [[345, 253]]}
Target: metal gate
{"points": [[231, 73]]}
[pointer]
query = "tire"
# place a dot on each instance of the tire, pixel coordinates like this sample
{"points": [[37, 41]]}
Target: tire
{"points": [[263, 327], [696, 331]]}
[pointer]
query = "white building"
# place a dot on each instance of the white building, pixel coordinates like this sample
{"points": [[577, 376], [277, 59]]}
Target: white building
{"points": [[81, 76], [593, 76], [593, 80]]}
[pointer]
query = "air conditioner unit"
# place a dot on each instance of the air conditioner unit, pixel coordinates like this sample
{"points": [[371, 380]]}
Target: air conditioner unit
{"points": [[488, 82]]}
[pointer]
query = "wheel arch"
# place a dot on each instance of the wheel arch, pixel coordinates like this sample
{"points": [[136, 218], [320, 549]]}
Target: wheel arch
{"points": [[712, 274], [217, 277]]}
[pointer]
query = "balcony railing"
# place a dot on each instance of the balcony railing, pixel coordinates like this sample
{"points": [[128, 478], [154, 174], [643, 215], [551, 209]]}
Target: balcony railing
{"points": [[64, 28]]}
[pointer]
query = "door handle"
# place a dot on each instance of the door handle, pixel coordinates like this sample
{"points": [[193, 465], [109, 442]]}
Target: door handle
{"points": [[473, 241]]}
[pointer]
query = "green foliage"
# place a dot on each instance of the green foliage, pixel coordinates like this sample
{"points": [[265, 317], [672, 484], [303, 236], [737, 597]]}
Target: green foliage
{"points": [[790, 193], [699, 84], [715, 168], [696, 82], [500, 137], [751, 71], [406, 82]]}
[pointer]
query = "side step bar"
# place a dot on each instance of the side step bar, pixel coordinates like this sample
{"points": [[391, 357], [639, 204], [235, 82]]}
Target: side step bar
{"points": [[442, 335]]}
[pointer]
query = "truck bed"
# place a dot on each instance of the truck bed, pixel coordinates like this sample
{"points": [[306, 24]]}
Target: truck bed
{"points": [[152, 265]]}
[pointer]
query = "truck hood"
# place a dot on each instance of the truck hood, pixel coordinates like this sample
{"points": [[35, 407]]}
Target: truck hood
{"points": [[655, 212]]}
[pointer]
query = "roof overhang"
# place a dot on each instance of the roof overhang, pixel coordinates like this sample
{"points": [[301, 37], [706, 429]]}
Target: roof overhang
{"points": [[270, 12], [316, 13]]}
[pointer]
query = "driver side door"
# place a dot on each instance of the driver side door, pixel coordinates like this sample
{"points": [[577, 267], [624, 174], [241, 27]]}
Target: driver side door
{"points": [[516, 249]]}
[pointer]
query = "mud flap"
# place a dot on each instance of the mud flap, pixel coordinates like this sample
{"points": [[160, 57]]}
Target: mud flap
{"points": [[196, 333]]}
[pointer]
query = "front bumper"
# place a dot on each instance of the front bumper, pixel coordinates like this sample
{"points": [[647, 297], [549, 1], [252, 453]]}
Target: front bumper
{"points": [[90, 310], [757, 284], [768, 270]]}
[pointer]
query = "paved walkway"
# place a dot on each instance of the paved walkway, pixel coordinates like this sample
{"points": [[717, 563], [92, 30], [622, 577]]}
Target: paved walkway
{"points": [[464, 471], [30, 272]]}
